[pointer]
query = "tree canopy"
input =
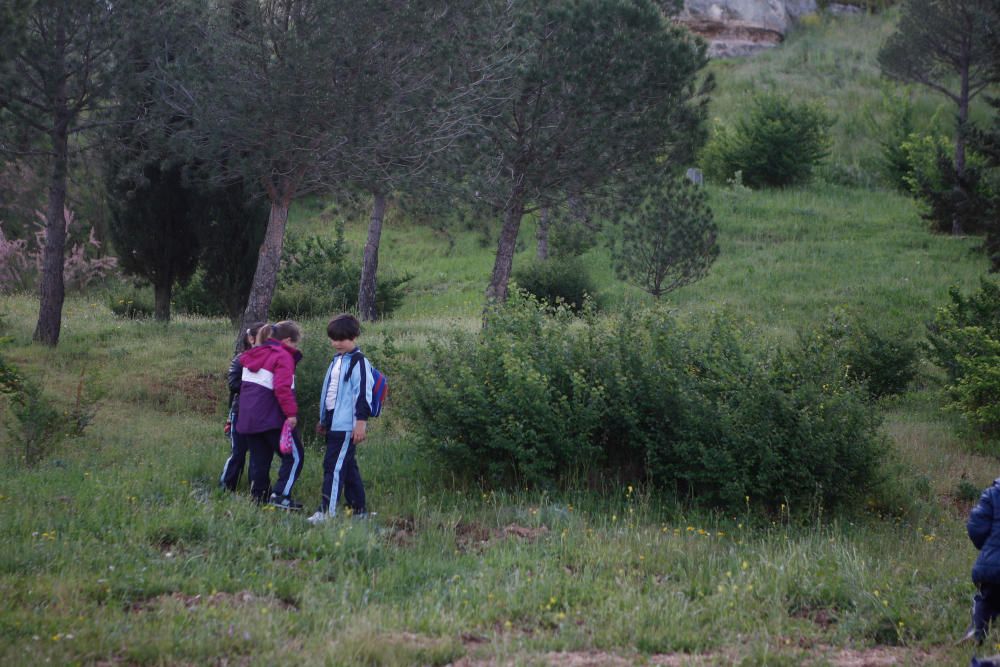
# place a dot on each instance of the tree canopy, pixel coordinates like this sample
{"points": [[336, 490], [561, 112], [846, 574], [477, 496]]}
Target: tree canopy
{"points": [[596, 87]]}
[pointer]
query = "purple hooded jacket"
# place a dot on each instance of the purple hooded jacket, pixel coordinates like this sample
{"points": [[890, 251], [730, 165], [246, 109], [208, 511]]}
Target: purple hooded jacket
{"points": [[267, 390]]}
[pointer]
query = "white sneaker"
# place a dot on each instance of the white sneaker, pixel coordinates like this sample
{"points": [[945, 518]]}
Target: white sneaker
{"points": [[317, 518]]}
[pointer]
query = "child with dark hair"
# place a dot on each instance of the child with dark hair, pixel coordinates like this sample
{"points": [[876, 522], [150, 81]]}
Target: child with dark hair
{"points": [[344, 408], [233, 468], [267, 401], [984, 531]]}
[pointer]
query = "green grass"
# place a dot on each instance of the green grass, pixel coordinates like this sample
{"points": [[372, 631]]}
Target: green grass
{"points": [[118, 549], [113, 538]]}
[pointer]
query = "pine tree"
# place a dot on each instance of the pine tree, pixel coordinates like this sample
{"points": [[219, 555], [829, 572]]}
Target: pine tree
{"points": [[53, 84], [943, 45], [668, 236], [591, 89], [154, 231]]}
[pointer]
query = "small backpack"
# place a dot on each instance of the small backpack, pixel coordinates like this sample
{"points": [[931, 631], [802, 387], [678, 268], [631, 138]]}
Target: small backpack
{"points": [[380, 385]]}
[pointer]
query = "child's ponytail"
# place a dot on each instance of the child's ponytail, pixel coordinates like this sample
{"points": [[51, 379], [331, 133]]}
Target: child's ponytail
{"points": [[263, 334], [282, 330], [251, 332]]}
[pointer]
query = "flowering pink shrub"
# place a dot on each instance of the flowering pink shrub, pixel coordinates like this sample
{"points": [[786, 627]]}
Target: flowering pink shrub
{"points": [[80, 268], [14, 260]]}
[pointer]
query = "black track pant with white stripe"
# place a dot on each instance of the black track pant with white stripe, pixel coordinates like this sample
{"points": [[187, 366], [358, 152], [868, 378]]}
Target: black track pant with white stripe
{"points": [[291, 466], [234, 464], [340, 472], [263, 447]]}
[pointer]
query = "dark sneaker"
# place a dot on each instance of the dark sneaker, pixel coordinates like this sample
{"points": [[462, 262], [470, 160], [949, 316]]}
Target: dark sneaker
{"points": [[284, 502]]}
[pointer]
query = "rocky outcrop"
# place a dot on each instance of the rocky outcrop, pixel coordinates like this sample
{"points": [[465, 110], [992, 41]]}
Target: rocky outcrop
{"points": [[741, 27]]}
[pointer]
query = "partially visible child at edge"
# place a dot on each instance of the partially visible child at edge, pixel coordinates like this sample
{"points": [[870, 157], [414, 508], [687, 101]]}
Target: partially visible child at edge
{"points": [[344, 408], [984, 531], [267, 399], [233, 468]]}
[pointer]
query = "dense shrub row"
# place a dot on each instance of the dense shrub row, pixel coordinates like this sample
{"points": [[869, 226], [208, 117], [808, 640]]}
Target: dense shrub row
{"points": [[546, 398], [883, 362]]}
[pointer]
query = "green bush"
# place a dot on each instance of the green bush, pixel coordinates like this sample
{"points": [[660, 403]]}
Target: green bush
{"points": [[316, 280], [33, 426], [778, 143], [131, 302], [976, 394], [893, 135], [884, 362], [562, 279], [945, 198], [964, 339], [960, 327], [194, 298], [542, 398]]}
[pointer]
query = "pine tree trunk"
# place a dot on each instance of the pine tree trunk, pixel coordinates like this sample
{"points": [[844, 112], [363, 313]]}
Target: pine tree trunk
{"points": [[161, 300], [268, 262], [543, 234], [369, 267], [52, 289], [963, 118], [497, 290]]}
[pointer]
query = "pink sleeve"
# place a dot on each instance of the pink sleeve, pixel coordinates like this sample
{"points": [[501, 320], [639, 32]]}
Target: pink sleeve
{"points": [[284, 372]]}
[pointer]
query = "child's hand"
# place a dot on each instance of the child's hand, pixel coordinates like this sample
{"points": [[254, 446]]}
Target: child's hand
{"points": [[292, 421], [359, 435], [320, 429], [227, 429]]}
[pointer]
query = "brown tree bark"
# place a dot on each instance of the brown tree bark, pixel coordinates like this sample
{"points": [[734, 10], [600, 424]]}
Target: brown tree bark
{"points": [[496, 292], [52, 289], [161, 300], [542, 235], [268, 261], [369, 267]]}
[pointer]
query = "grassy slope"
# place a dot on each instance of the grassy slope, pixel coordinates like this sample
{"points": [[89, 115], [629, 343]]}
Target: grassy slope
{"points": [[109, 541]]}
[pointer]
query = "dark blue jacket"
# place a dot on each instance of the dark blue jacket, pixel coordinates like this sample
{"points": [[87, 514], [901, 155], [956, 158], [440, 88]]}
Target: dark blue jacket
{"points": [[234, 378], [984, 531]]}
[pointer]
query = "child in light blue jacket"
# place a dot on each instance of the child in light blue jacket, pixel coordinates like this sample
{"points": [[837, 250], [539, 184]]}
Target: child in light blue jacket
{"points": [[344, 408]]}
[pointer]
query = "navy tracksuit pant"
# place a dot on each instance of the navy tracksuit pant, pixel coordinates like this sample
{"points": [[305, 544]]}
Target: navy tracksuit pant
{"points": [[985, 607], [234, 464], [340, 472], [263, 447]]}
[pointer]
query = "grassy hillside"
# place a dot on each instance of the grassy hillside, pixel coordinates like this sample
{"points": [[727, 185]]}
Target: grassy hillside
{"points": [[832, 60], [118, 549]]}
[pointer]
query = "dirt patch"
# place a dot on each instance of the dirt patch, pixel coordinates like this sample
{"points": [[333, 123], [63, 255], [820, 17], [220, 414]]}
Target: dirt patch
{"points": [[471, 535], [402, 532], [192, 602], [882, 657], [872, 657], [199, 392], [530, 534], [822, 617]]}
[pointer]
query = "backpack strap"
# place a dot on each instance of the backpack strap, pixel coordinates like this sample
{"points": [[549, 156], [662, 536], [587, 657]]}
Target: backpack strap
{"points": [[356, 357]]}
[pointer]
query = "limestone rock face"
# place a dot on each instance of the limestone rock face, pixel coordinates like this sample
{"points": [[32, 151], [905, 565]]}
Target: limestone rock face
{"points": [[741, 27]]}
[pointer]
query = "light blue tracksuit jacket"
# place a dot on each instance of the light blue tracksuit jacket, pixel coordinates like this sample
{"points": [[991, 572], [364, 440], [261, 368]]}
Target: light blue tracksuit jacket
{"points": [[354, 392]]}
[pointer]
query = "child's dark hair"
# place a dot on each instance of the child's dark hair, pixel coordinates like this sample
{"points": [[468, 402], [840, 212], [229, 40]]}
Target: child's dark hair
{"points": [[343, 327], [251, 333], [280, 331]]}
